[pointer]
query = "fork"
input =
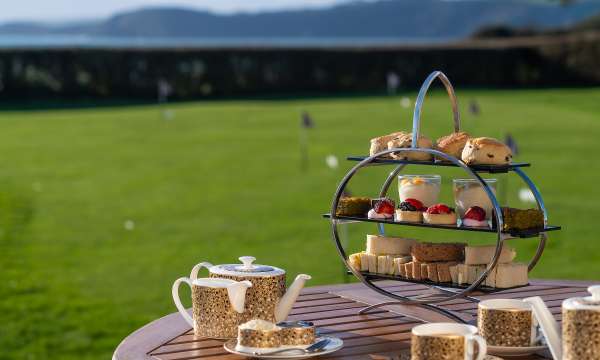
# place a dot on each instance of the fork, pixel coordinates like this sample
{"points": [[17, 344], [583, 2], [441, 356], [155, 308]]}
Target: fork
{"points": [[318, 346]]}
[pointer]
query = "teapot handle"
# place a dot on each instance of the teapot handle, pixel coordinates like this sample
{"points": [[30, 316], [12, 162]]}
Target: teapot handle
{"points": [[178, 304], [481, 345], [196, 269]]}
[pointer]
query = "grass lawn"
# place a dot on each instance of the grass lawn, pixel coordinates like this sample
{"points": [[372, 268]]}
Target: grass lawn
{"points": [[221, 180]]}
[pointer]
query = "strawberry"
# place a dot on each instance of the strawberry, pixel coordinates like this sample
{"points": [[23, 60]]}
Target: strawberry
{"points": [[439, 209], [475, 213], [416, 203], [384, 206]]}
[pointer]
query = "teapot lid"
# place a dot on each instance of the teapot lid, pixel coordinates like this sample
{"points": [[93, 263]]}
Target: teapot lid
{"points": [[247, 268], [585, 303], [213, 282]]}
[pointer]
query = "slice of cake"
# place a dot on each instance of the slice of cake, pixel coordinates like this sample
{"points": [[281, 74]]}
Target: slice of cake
{"points": [[399, 264], [416, 271], [424, 270], [511, 275], [454, 273], [386, 245], [364, 261], [402, 270], [409, 270], [353, 206], [354, 261], [432, 272], [372, 263], [518, 220], [432, 252], [478, 255], [443, 272]]}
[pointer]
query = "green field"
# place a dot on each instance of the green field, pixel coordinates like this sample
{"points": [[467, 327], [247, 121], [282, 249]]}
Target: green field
{"points": [[221, 180]]}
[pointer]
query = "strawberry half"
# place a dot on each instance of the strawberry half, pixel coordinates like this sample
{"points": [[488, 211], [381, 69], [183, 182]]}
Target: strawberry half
{"points": [[417, 204], [384, 206], [439, 209], [475, 213]]}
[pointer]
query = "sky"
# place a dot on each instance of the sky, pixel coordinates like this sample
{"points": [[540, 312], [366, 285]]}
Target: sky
{"points": [[61, 10]]}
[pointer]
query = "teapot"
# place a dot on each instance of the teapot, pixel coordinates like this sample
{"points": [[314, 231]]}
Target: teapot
{"points": [[580, 338], [265, 299]]}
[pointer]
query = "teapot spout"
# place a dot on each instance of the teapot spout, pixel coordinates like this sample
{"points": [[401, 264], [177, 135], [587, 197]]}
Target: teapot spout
{"points": [[287, 301], [237, 294], [549, 326]]}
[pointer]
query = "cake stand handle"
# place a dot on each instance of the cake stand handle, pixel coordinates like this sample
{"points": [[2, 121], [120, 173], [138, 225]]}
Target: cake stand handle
{"points": [[540, 203], [421, 98]]}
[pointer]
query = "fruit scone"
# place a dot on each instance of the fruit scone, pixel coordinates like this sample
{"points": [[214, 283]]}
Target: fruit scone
{"points": [[380, 143], [486, 151], [452, 144]]}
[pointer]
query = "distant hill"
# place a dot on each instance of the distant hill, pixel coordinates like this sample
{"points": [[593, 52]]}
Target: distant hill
{"points": [[592, 23], [384, 18]]}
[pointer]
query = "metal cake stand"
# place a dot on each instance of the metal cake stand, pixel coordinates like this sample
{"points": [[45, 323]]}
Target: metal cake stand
{"points": [[441, 292]]}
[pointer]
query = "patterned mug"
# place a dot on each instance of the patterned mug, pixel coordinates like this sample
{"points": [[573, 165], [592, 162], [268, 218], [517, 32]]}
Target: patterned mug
{"points": [[507, 322], [448, 341]]}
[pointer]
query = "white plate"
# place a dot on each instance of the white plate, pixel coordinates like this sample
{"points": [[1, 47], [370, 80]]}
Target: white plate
{"points": [[514, 351], [334, 345]]}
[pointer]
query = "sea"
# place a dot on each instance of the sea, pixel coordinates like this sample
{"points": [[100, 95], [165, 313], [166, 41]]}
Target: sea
{"points": [[89, 41]]}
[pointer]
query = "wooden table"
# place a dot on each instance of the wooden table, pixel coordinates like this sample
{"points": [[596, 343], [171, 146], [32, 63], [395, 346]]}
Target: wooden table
{"points": [[382, 334]]}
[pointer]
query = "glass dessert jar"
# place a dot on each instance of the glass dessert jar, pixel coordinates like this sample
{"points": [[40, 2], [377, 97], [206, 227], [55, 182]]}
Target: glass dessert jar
{"points": [[425, 188], [469, 193]]}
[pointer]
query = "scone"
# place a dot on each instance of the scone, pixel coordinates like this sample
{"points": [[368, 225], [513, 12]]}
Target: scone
{"points": [[405, 141], [440, 214], [486, 151], [380, 144], [452, 144]]}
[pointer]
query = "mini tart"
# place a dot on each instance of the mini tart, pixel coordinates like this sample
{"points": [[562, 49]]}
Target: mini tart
{"points": [[440, 219], [409, 216], [372, 214]]}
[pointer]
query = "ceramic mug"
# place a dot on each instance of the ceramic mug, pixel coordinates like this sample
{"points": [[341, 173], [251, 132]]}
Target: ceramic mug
{"points": [[507, 322], [448, 341]]}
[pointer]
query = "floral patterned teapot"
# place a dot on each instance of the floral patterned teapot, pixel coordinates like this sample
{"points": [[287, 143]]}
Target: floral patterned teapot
{"points": [[265, 299]]}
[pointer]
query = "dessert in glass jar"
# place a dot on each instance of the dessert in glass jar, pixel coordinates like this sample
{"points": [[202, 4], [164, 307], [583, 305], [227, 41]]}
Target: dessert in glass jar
{"points": [[470, 195], [425, 188]]}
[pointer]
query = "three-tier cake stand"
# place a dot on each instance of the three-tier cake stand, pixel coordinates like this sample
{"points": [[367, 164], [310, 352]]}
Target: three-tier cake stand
{"points": [[440, 292]]}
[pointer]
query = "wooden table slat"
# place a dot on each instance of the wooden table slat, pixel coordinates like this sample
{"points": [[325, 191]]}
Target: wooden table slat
{"points": [[380, 335]]}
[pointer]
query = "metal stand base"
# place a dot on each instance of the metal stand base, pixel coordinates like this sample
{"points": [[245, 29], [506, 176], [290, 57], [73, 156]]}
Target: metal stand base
{"points": [[435, 308]]}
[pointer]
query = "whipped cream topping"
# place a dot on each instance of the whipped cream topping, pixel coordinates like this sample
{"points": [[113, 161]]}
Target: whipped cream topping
{"points": [[372, 214], [475, 223], [258, 324]]}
